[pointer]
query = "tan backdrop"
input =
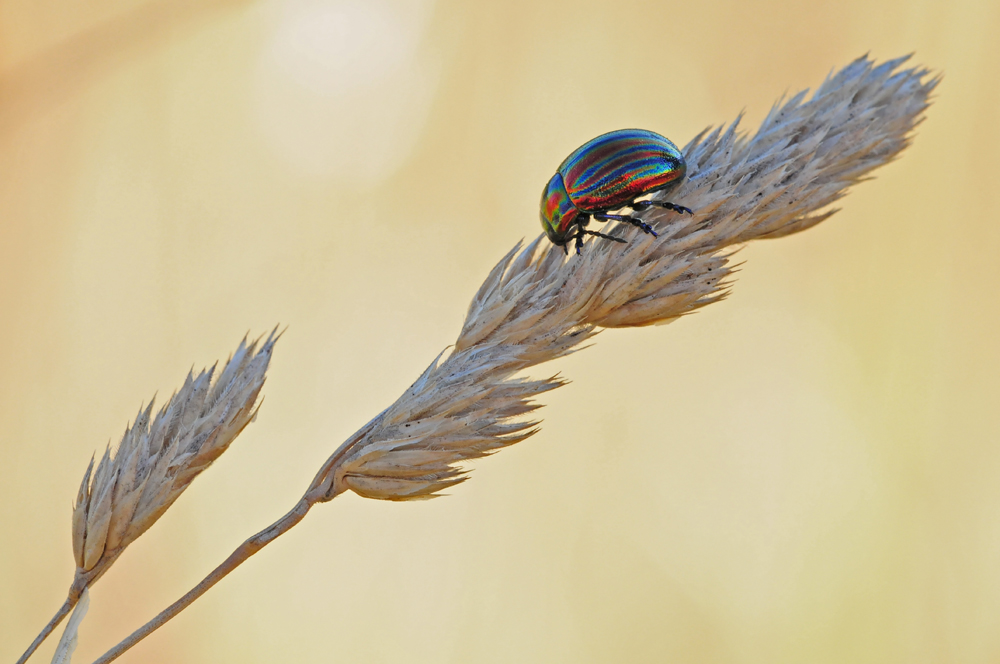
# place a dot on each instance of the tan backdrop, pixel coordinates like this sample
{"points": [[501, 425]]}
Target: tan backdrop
{"points": [[807, 472]]}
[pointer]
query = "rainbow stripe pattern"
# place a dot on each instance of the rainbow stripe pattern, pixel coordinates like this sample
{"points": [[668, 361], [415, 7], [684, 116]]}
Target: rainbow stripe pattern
{"points": [[615, 168]]}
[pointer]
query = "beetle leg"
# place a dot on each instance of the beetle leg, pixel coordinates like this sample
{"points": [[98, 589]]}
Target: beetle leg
{"points": [[600, 216], [645, 205], [606, 237], [580, 232], [673, 206], [581, 221]]}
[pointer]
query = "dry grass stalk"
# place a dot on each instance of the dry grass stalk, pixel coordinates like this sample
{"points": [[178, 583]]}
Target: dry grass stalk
{"points": [[537, 305], [158, 457]]}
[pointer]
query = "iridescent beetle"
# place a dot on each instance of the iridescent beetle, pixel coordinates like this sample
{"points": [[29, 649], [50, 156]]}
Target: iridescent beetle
{"points": [[607, 173]]}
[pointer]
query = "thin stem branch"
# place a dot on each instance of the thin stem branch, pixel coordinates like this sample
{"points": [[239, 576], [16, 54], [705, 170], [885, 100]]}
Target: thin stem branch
{"points": [[56, 619], [81, 581], [236, 558], [321, 489]]}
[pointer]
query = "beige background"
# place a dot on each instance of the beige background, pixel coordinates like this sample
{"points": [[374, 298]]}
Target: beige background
{"points": [[808, 472]]}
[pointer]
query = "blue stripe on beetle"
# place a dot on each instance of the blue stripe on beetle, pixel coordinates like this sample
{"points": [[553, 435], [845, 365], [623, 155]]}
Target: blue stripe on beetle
{"points": [[607, 173]]}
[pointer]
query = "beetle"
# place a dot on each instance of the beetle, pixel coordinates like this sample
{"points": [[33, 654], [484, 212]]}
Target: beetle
{"points": [[607, 173]]}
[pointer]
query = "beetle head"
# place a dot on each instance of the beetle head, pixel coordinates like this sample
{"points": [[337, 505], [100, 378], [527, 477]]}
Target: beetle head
{"points": [[557, 211]]}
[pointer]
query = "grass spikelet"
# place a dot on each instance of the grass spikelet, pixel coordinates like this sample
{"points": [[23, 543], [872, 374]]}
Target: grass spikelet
{"points": [[157, 458]]}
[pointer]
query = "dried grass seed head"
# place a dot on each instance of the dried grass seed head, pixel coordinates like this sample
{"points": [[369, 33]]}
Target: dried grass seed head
{"points": [[537, 305], [159, 456]]}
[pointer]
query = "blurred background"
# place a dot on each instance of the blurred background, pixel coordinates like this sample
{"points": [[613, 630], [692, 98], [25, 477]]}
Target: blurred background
{"points": [[809, 471]]}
